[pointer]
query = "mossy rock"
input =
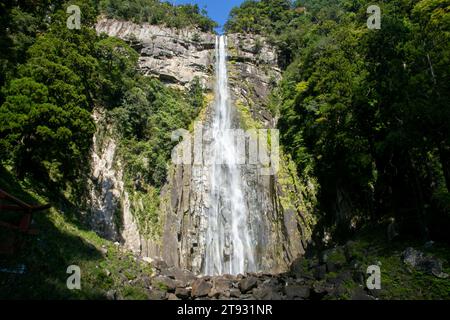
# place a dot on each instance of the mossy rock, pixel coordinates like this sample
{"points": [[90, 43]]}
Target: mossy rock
{"points": [[335, 255]]}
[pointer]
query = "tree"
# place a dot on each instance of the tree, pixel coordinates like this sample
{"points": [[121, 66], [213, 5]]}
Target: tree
{"points": [[36, 133]]}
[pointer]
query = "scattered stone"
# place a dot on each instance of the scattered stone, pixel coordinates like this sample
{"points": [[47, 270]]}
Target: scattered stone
{"points": [[157, 294], [248, 284], [359, 277], [338, 292], [425, 263], [320, 272], [111, 295], [297, 292], [235, 293], [200, 288], [266, 293], [107, 272], [146, 281], [164, 283], [160, 265], [104, 250], [183, 293], [222, 287], [429, 244], [331, 267], [360, 294], [321, 289], [297, 268], [184, 276], [172, 297], [337, 281], [214, 293]]}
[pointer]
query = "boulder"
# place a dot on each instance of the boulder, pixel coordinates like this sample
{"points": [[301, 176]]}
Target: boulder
{"points": [[298, 268], [221, 287], [184, 276], [172, 297], [247, 284], [214, 293], [331, 267], [320, 272], [183, 293], [360, 294], [200, 288], [164, 283], [295, 292], [266, 293], [235, 293], [160, 265], [157, 294], [111, 295], [425, 263]]}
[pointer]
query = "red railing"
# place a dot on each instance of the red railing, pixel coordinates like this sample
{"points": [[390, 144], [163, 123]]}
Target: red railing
{"points": [[24, 226]]}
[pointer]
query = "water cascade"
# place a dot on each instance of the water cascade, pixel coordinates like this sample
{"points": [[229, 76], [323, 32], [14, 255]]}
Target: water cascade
{"points": [[229, 248]]}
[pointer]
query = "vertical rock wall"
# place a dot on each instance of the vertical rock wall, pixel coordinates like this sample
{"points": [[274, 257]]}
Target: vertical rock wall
{"points": [[285, 200]]}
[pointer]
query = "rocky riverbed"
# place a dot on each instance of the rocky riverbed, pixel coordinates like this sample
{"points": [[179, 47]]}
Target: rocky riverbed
{"points": [[312, 279], [334, 274]]}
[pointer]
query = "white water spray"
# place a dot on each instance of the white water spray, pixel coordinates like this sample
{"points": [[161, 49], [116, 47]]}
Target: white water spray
{"points": [[229, 248]]}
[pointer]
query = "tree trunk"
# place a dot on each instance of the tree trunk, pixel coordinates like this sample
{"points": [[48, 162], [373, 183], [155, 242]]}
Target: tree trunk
{"points": [[444, 155], [420, 201]]}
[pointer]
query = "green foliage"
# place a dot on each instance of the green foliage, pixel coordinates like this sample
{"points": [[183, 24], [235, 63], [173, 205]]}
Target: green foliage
{"points": [[45, 122], [157, 12], [46, 126], [36, 129], [148, 146], [117, 67], [46, 113], [366, 109], [261, 16], [62, 242]]}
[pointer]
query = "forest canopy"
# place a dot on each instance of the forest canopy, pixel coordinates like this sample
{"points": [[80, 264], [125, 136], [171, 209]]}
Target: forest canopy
{"points": [[53, 79], [367, 111], [158, 12]]}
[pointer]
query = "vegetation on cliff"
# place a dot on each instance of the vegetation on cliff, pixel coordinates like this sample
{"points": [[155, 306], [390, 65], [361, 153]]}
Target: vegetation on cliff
{"points": [[51, 88], [367, 109], [365, 112], [158, 12], [52, 80]]}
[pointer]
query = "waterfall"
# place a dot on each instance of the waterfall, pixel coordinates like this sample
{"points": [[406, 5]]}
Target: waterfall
{"points": [[229, 245]]}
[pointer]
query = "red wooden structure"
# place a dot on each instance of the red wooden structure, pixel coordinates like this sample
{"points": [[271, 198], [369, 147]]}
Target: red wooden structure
{"points": [[25, 212]]}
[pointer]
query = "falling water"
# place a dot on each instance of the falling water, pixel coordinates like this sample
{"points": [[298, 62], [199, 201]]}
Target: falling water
{"points": [[229, 249]]}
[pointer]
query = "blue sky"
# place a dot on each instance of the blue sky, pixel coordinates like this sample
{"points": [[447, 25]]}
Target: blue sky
{"points": [[218, 10]]}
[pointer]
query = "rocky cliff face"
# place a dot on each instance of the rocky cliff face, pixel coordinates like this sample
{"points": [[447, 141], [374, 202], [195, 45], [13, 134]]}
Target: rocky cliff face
{"points": [[175, 56], [285, 201], [109, 202]]}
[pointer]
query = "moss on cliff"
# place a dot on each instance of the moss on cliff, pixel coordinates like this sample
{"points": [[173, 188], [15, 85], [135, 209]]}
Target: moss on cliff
{"points": [[245, 116], [145, 208], [298, 192]]}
